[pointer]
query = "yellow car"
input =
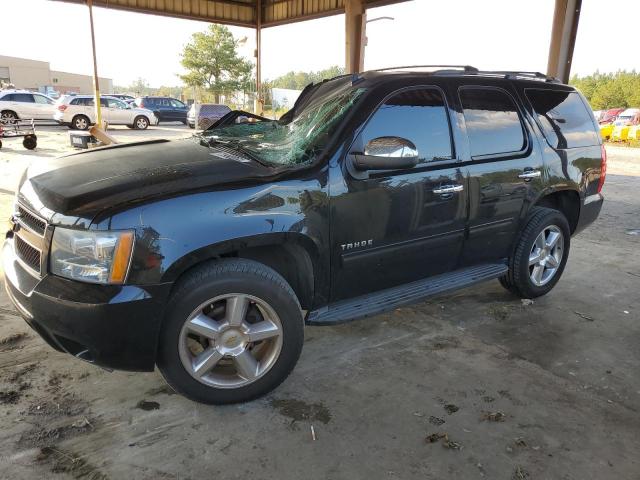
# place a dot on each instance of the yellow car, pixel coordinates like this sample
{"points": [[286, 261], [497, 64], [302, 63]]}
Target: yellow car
{"points": [[619, 133], [605, 131]]}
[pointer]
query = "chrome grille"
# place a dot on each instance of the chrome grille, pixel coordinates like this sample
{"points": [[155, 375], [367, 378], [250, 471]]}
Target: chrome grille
{"points": [[29, 239], [29, 255], [31, 221]]}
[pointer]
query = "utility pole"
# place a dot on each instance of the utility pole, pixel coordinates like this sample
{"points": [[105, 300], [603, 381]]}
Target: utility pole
{"points": [[96, 82], [259, 102]]}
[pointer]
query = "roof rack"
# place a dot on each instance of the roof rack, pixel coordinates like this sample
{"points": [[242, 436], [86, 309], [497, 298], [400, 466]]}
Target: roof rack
{"points": [[465, 68], [469, 70], [515, 74]]}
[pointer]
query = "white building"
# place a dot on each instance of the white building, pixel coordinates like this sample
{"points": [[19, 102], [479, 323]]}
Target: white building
{"points": [[37, 75]]}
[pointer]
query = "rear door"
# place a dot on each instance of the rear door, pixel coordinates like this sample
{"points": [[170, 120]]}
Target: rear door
{"points": [[504, 165], [23, 104], [397, 226]]}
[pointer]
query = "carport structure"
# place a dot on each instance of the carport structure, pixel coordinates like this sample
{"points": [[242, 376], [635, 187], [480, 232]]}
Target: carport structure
{"points": [[259, 14]]}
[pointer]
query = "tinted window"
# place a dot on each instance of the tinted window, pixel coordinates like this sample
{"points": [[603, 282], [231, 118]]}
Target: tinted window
{"points": [[418, 115], [21, 97], [564, 118], [177, 104], [493, 122], [79, 101]]}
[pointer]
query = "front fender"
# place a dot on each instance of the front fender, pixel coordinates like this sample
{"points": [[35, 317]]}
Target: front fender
{"points": [[176, 233]]}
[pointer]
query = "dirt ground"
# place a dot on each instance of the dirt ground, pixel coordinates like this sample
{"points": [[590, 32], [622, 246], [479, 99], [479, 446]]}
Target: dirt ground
{"points": [[472, 385]]}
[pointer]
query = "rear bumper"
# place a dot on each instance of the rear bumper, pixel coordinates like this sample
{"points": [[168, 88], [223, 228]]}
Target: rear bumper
{"points": [[589, 211], [112, 326]]}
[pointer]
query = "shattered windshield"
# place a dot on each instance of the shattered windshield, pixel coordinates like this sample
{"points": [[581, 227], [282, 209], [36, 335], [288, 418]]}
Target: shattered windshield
{"points": [[294, 142]]}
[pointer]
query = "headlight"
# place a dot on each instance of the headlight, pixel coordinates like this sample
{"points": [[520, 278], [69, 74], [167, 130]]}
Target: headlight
{"points": [[91, 256]]}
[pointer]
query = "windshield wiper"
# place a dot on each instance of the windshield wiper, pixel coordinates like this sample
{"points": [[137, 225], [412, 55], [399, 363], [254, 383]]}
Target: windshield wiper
{"points": [[236, 147]]}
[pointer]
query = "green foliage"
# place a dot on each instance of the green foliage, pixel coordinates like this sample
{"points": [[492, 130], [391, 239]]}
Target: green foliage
{"points": [[213, 63], [610, 90], [299, 80]]}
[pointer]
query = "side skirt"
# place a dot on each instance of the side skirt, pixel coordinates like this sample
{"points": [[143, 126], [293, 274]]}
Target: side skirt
{"points": [[386, 300]]}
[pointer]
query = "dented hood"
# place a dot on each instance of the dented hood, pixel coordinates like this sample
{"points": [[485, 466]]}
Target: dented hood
{"points": [[87, 183]]}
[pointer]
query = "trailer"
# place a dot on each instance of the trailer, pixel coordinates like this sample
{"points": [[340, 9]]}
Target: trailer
{"points": [[24, 128]]}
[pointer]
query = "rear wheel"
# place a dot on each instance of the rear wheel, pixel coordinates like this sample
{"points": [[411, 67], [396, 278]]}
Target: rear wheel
{"points": [[30, 142], [540, 255], [80, 122], [234, 333]]}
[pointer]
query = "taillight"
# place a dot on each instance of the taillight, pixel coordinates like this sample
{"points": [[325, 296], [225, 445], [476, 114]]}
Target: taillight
{"points": [[62, 108], [141, 104], [603, 168]]}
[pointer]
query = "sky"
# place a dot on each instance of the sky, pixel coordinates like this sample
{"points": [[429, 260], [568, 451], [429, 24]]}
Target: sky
{"points": [[488, 34]]}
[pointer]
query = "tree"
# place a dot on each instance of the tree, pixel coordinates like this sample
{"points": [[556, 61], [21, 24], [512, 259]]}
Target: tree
{"points": [[213, 63], [299, 80], [610, 90], [140, 87]]}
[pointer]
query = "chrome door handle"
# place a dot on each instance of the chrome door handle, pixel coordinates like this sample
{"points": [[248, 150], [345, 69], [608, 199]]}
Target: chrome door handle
{"points": [[448, 189], [530, 174]]}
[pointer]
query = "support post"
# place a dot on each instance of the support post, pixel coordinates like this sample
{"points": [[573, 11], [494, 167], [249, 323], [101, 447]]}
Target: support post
{"points": [[355, 17], [564, 30], [96, 82], [258, 106]]}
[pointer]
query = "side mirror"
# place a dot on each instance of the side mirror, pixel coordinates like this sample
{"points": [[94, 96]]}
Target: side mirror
{"points": [[386, 153]]}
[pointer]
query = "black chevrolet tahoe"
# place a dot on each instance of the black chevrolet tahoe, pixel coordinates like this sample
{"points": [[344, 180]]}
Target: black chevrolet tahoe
{"points": [[207, 256]]}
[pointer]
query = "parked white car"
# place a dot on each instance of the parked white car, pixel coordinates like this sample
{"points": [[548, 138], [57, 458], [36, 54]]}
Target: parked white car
{"points": [[203, 115], [20, 104], [78, 112]]}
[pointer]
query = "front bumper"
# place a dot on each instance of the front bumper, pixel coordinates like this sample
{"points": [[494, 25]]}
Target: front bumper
{"points": [[589, 211], [112, 326]]}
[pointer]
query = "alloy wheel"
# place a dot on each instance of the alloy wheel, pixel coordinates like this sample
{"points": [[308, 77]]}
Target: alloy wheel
{"points": [[8, 117], [546, 255], [81, 123], [141, 123], [230, 341]]}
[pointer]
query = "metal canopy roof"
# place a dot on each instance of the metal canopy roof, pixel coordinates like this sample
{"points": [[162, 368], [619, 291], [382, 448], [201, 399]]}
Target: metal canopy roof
{"points": [[243, 13]]}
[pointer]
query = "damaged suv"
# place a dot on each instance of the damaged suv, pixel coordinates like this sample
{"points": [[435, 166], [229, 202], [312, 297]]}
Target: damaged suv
{"points": [[206, 256]]}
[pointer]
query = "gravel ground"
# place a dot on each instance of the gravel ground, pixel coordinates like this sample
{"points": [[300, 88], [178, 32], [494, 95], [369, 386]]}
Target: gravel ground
{"points": [[472, 385]]}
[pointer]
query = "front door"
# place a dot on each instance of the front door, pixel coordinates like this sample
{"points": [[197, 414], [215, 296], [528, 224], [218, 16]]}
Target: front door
{"points": [[119, 114], [43, 107], [504, 166], [394, 227]]}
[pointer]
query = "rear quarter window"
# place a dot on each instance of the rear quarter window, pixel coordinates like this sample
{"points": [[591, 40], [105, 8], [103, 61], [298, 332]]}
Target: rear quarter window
{"points": [[563, 117]]}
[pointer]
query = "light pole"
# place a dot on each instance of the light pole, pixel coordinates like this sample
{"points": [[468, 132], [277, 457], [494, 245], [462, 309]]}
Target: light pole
{"points": [[366, 38]]}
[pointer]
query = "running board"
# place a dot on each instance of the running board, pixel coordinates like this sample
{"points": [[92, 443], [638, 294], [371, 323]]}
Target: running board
{"points": [[392, 298]]}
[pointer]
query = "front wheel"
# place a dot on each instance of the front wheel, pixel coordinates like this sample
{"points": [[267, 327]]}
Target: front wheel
{"points": [[141, 123], [234, 332], [540, 255]]}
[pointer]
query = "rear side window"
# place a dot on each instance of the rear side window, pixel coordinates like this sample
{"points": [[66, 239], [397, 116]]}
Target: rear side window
{"points": [[564, 118], [21, 97], [418, 115], [492, 120]]}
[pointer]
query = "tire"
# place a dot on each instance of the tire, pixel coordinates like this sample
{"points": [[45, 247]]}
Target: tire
{"points": [[30, 142], [141, 122], [80, 122], [530, 280], [0, 144], [208, 292], [8, 116], [157, 114], [192, 125]]}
